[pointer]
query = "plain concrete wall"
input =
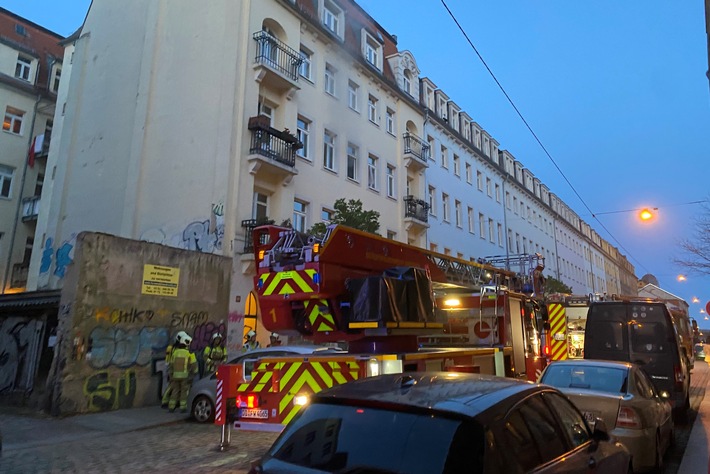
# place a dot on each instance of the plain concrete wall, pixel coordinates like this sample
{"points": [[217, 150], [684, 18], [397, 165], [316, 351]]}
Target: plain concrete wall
{"points": [[112, 336]]}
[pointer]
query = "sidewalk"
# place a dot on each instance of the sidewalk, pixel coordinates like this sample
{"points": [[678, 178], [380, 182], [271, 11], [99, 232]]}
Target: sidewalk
{"points": [[23, 428], [696, 458]]}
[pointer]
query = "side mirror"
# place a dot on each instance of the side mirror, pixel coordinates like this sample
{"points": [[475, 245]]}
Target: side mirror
{"points": [[601, 432]]}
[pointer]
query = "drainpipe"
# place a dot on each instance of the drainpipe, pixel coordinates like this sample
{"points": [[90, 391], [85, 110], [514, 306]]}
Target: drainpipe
{"points": [[22, 188]]}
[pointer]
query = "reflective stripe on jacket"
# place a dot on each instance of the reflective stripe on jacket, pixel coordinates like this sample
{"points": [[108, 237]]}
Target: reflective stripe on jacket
{"points": [[182, 363]]}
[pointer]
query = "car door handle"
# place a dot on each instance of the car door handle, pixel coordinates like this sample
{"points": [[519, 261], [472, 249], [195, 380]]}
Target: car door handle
{"points": [[592, 463]]}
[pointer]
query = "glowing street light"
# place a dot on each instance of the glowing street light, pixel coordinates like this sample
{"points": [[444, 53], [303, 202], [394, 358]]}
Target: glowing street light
{"points": [[681, 278], [646, 215], [695, 299]]}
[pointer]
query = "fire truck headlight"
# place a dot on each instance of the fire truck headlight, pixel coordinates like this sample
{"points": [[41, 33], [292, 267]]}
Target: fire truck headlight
{"points": [[300, 400]]}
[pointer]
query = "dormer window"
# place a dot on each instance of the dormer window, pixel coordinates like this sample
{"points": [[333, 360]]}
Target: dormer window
{"points": [[22, 68], [332, 16], [407, 82], [372, 50], [56, 79]]}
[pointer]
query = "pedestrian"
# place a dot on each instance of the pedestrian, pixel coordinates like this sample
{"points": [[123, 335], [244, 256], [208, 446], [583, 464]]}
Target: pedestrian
{"points": [[168, 353], [214, 354], [183, 366], [251, 342], [274, 340]]}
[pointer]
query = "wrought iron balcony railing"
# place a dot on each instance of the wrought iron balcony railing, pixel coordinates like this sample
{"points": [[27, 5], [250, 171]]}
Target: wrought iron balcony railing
{"points": [[273, 53], [249, 225], [416, 146], [416, 208], [277, 145]]}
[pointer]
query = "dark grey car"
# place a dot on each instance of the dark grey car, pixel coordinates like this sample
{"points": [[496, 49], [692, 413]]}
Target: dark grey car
{"points": [[442, 423]]}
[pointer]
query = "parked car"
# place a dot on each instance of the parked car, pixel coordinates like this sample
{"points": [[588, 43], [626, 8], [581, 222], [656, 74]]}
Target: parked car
{"points": [[201, 397], [699, 351], [623, 396], [441, 423], [642, 333]]}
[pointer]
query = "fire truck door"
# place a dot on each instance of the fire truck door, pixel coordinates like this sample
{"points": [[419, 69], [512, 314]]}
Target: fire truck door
{"points": [[518, 332]]}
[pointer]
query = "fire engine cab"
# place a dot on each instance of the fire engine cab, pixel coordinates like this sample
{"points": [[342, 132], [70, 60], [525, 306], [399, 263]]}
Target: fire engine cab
{"points": [[396, 306]]}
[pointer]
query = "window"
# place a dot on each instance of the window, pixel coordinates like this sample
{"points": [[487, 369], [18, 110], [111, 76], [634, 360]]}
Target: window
{"points": [[479, 180], [22, 68], [500, 235], [471, 223], [389, 121], [481, 225], [331, 16], [391, 235], [303, 128], [353, 153], [266, 110], [457, 165], [326, 215], [497, 189], [329, 150], [445, 203], [372, 51], [329, 79], [372, 172], [572, 422], [407, 82], [444, 157], [469, 173], [432, 200], [305, 68], [430, 141], [372, 109], [457, 210], [261, 206], [390, 181], [57, 78], [299, 215], [6, 174], [489, 187], [507, 199], [353, 91], [13, 120], [491, 230]]}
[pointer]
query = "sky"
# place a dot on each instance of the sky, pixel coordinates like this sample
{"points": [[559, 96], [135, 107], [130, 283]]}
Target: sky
{"points": [[615, 91]]}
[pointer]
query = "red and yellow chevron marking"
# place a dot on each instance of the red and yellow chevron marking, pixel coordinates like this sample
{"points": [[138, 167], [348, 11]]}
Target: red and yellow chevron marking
{"points": [[558, 324], [288, 283], [319, 315], [260, 379]]}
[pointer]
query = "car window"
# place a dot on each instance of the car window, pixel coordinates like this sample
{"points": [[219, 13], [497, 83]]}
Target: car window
{"points": [[650, 337], [571, 420], [543, 427], [604, 379], [345, 438], [520, 441]]}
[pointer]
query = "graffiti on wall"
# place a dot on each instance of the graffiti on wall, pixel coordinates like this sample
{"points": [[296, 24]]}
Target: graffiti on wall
{"points": [[59, 257], [105, 393], [202, 235], [125, 347], [19, 349], [202, 335], [189, 319]]}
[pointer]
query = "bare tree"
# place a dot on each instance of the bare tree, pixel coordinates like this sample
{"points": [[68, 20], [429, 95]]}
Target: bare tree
{"points": [[696, 249]]}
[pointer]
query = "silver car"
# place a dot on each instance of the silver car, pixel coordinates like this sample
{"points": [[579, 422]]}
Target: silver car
{"points": [[621, 394], [202, 393]]}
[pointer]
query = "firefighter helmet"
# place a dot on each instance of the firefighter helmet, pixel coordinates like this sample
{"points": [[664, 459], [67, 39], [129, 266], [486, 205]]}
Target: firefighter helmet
{"points": [[216, 336], [250, 334], [274, 335], [183, 338]]}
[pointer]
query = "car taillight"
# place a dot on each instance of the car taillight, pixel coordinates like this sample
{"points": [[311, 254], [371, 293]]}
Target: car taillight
{"points": [[628, 418], [248, 400]]}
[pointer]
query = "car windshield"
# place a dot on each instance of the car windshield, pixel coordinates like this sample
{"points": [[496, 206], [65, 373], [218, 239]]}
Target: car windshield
{"points": [[350, 439], [604, 379]]}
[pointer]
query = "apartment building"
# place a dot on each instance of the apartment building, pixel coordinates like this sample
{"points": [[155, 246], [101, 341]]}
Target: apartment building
{"points": [[30, 70]]}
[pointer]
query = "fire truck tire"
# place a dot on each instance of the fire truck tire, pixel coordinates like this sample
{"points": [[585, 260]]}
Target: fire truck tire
{"points": [[203, 409]]}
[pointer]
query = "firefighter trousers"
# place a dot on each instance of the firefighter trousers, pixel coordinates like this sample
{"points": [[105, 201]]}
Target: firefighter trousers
{"points": [[179, 388]]}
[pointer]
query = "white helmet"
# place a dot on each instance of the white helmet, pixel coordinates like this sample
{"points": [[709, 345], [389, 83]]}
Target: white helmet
{"points": [[251, 333], [183, 338], [275, 335], [216, 336]]}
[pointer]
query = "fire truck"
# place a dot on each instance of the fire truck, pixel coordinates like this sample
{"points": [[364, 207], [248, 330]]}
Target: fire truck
{"points": [[567, 318], [398, 307]]}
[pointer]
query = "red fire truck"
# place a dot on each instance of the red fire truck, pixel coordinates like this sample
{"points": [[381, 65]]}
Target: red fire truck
{"points": [[398, 307]]}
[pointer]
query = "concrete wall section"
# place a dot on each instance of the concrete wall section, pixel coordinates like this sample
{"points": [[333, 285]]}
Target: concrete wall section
{"points": [[113, 335]]}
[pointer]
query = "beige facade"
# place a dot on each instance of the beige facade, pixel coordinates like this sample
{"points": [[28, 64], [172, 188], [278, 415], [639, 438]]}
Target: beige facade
{"points": [[30, 67]]}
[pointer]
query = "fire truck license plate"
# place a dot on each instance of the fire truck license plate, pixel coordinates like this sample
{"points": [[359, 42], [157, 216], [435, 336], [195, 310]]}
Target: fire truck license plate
{"points": [[261, 414]]}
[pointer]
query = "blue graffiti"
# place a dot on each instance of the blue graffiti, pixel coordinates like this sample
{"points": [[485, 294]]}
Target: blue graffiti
{"points": [[63, 259], [47, 253], [125, 347]]}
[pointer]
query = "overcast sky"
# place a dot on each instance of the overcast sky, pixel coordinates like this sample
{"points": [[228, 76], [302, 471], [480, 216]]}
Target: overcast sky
{"points": [[615, 91]]}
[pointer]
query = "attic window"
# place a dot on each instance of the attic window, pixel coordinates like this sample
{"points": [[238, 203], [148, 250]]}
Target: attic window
{"points": [[373, 51], [20, 29], [332, 16]]}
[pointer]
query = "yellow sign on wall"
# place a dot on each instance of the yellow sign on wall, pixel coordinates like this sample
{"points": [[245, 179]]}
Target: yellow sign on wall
{"points": [[160, 281]]}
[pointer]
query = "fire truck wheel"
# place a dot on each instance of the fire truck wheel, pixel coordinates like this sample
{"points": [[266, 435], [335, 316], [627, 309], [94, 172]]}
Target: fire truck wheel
{"points": [[203, 409]]}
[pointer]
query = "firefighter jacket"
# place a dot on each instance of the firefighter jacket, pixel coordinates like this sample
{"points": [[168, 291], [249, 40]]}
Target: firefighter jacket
{"points": [[248, 346], [183, 364], [214, 356]]}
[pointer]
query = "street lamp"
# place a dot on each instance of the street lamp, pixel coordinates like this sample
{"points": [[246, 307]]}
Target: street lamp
{"points": [[646, 214], [695, 299], [681, 278]]}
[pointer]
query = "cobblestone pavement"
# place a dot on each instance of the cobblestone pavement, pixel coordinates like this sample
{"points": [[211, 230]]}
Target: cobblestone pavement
{"points": [[191, 447]]}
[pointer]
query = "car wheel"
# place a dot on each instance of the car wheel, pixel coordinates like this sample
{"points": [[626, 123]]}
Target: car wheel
{"points": [[203, 409]]}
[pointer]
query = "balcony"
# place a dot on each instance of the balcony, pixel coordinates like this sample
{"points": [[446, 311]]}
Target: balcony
{"points": [[247, 257], [416, 215], [416, 152], [30, 208], [18, 278], [272, 153], [276, 64]]}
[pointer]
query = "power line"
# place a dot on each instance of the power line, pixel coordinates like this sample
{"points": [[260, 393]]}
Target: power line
{"points": [[527, 125]]}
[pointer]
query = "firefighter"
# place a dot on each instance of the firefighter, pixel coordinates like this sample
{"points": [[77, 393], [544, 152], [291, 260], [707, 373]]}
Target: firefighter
{"points": [[183, 366], [251, 342], [274, 340], [214, 354], [168, 352]]}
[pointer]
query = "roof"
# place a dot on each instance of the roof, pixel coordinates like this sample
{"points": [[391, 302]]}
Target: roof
{"points": [[465, 394], [653, 291], [30, 299]]}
